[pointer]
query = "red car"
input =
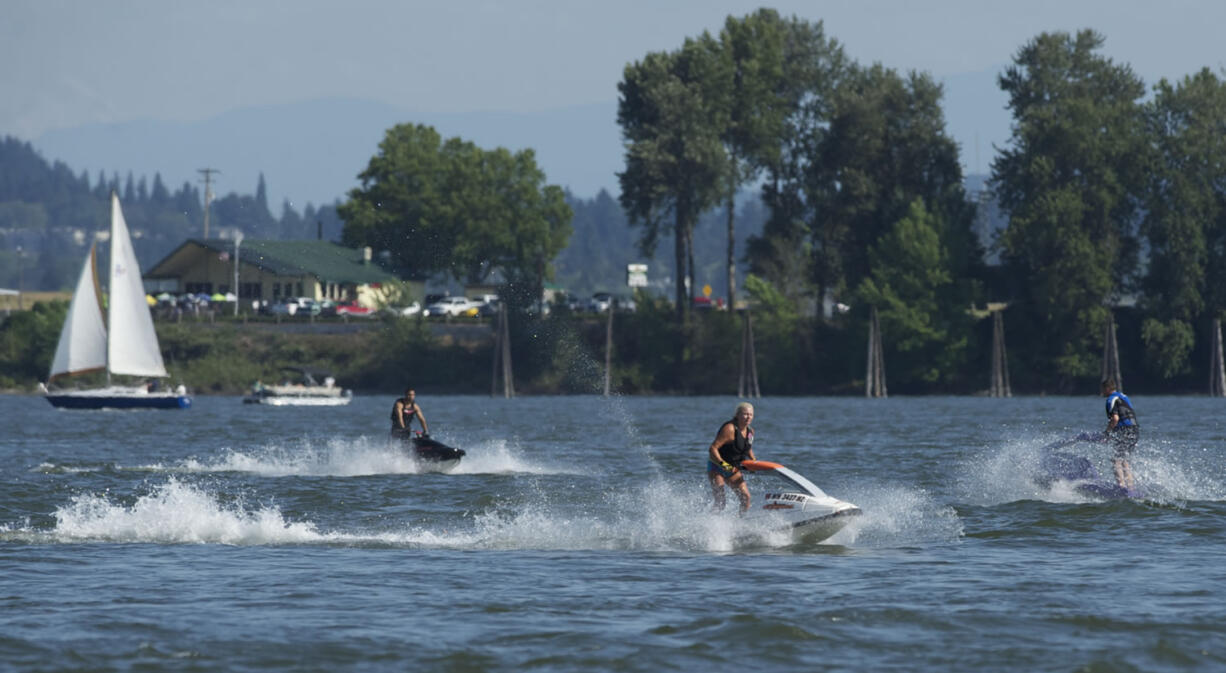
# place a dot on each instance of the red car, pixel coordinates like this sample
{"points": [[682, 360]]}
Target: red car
{"points": [[354, 309]]}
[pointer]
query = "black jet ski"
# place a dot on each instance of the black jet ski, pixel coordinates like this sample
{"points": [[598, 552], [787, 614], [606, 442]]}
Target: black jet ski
{"points": [[433, 455]]}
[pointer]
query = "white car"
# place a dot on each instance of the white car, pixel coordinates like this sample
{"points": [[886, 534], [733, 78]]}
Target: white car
{"points": [[411, 309], [600, 302], [453, 306]]}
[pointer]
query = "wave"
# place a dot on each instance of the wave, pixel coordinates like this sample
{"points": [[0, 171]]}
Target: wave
{"points": [[1166, 472], [661, 516], [334, 458]]}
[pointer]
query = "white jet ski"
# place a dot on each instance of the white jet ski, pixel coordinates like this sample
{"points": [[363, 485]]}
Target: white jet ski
{"points": [[783, 499]]}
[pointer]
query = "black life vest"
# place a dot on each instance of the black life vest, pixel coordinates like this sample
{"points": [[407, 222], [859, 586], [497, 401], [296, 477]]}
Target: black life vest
{"points": [[738, 449]]}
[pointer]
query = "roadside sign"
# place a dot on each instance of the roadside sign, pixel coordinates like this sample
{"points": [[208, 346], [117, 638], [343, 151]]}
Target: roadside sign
{"points": [[636, 275]]}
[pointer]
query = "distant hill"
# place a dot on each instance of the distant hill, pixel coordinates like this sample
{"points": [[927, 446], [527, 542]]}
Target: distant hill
{"points": [[311, 152]]}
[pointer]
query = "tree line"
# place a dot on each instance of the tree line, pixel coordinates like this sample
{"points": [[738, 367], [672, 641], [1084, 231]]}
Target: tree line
{"points": [[1110, 197]]}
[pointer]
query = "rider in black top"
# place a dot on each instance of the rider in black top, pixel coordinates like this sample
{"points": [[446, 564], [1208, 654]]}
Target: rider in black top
{"points": [[733, 444], [403, 412]]}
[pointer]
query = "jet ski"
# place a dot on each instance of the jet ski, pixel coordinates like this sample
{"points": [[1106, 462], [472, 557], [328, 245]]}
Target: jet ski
{"points": [[1057, 466], [786, 500], [431, 454]]}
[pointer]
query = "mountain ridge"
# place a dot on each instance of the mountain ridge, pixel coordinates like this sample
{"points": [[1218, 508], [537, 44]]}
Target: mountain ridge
{"points": [[312, 151]]}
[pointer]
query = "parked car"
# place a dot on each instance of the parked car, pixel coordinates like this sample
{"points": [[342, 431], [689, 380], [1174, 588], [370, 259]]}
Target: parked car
{"points": [[570, 303], [600, 302], [625, 304], [284, 307], [308, 306], [452, 306], [411, 309], [351, 308], [488, 309]]}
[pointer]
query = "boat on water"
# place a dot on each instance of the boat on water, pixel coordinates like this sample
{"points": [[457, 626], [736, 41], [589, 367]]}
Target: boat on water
{"points": [[785, 500], [431, 455], [123, 343], [313, 389]]}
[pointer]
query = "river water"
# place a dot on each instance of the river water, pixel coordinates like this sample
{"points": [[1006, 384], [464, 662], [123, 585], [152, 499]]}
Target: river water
{"points": [[576, 535]]}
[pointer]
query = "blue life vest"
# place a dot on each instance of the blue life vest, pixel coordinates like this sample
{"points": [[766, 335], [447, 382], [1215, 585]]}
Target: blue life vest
{"points": [[1128, 417]]}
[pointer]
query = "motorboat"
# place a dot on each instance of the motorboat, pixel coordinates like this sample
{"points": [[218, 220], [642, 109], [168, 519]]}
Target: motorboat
{"points": [[785, 500], [430, 454], [1058, 467], [118, 338], [312, 389]]}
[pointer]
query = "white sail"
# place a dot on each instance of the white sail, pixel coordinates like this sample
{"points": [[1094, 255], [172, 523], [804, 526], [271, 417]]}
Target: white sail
{"points": [[82, 346], [133, 344]]}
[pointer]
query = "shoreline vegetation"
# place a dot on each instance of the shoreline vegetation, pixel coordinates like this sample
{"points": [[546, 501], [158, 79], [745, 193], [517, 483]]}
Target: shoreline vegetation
{"points": [[561, 354]]}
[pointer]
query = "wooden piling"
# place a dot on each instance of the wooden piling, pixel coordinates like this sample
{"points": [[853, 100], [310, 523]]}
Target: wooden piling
{"points": [[608, 352], [1111, 354], [1000, 364], [502, 356], [747, 383], [1217, 370], [874, 378]]}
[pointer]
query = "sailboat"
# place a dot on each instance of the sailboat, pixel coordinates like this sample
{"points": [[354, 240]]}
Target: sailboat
{"points": [[124, 344]]}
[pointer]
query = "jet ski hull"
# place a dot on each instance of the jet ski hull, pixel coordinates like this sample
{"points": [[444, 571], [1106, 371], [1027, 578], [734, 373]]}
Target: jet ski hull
{"points": [[822, 528], [794, 504], [431, 454]]}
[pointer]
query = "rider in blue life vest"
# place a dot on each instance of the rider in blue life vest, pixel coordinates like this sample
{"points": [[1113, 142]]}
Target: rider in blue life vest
{"points": [[733, 444], [1122, 430]]}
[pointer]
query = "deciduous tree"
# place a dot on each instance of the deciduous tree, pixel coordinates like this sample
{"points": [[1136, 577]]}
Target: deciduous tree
{"points": [[1069, 181]]}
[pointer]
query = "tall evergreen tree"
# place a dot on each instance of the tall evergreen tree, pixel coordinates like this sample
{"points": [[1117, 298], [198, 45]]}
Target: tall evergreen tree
{"points": [[261, 195]]}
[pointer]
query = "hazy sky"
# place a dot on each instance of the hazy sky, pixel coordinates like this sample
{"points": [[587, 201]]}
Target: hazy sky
{"points": [[65, 63]]}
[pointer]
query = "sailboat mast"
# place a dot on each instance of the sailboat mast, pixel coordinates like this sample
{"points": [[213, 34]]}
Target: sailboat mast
{"points": [[110, 287]]}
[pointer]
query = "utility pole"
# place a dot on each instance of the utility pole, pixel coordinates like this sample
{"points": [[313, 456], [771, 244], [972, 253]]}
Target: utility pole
{"points": [[208, 194], [238, 240], [21, 279]]}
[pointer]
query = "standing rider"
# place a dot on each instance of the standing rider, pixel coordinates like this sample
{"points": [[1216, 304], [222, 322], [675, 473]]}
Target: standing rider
{"points": [[1122, 431], [403, 412], [733, 444]]}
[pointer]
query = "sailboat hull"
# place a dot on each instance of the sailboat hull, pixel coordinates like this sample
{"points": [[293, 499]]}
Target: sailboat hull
{"points": [[118, 399]]}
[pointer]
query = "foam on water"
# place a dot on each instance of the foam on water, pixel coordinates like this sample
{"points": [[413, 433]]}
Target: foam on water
{"points": [[177, 512], [660, 515], [897, 515], [1165, 472], [339, 457]]}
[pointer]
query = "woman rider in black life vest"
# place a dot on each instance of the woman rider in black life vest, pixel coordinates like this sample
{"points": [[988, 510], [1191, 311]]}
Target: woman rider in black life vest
{"points": [[733, 444], [403, 412]]}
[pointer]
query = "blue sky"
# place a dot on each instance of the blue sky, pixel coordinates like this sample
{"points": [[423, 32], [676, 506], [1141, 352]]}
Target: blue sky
{"points": [[68, 63]]}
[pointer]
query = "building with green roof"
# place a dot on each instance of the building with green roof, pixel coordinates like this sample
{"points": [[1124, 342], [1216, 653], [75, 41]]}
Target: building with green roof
{"points": [[269, 271]]}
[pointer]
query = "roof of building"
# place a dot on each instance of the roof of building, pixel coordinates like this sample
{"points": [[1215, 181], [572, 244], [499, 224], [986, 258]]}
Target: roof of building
{"points": [[325, 260]]}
